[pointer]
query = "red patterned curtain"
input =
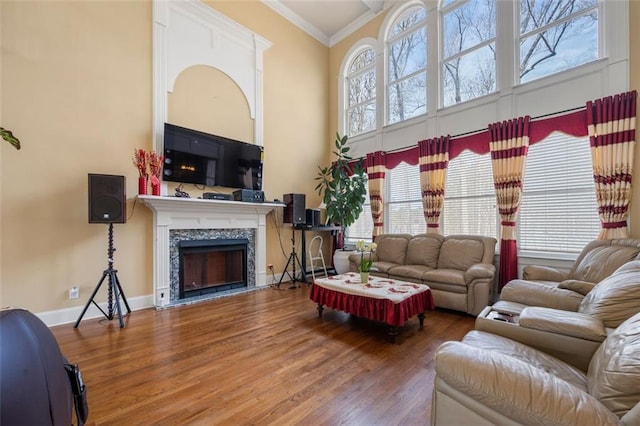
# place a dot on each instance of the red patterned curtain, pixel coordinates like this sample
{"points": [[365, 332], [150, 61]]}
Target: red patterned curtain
{"points": [[509, 145], [611, 123], [376, 170], [433, 159]]}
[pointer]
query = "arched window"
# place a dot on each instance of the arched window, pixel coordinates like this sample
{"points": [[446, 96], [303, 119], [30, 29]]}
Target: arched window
{"points": [[360, 83], [406, 52], [468, 49], [556, 35]]}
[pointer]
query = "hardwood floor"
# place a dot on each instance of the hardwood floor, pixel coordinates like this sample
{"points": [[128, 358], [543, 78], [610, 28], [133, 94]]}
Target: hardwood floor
{"points": [[258, 358]]}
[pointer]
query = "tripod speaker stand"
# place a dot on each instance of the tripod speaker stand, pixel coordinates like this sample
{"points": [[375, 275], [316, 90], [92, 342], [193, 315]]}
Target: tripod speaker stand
{"points": [[293, 259], [114, 290]]}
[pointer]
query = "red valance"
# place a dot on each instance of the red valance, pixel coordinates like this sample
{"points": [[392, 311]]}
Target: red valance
{"points": [[574, 123]]}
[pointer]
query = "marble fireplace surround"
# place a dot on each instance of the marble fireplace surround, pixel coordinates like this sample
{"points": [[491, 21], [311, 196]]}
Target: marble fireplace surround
{"points": [[173, 213]]}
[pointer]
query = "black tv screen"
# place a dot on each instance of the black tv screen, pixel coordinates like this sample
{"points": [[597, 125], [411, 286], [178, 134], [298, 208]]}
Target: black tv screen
{"points": [[191, 156]]}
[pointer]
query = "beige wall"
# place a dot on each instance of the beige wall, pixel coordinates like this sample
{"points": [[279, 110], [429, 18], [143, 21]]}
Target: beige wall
{"points": [[76, 79]]}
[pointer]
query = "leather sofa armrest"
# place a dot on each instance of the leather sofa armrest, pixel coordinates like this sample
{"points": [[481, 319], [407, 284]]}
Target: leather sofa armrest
{"points": [[516, 389], [532, 293], [479, 270], [574, 324], [543, 273]]}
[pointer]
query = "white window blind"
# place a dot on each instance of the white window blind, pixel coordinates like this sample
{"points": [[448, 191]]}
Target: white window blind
{"points": [[559, 212], [403, 209], [469, 197]]}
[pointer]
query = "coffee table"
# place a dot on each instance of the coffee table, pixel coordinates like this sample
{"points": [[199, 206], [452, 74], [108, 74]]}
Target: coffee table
{"points": [[380, 299]]}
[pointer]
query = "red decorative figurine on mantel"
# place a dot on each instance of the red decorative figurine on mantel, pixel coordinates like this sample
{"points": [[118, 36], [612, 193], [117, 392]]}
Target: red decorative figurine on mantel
{"points": [[155, 167], [140, 161]]}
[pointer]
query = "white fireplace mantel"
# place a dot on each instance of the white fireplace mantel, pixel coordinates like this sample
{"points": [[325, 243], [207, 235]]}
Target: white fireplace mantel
{"points": [[191, 213]]}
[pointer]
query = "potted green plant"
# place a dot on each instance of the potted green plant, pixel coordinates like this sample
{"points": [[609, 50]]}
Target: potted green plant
{"points": [[8, 136], [342, 186]]}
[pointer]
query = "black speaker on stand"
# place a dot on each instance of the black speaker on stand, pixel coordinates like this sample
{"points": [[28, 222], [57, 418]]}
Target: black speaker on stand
{"points": [[107, 204], [295, 214]]}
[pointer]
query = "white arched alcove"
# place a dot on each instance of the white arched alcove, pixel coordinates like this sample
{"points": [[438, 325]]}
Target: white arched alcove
{"points": [[187, 33]]}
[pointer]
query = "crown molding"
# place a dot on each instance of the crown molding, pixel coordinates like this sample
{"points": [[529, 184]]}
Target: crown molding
{"points": [[298, 21]]}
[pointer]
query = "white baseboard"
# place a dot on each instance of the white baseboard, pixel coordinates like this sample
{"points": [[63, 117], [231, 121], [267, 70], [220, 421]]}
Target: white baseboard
{"points": [[70, 315]]}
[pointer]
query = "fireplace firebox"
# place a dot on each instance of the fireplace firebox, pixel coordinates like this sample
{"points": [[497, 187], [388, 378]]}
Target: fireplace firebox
{"points": [[210, 266]]}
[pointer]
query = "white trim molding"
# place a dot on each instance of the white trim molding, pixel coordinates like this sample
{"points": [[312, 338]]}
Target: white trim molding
{"points": [[188, 33]]}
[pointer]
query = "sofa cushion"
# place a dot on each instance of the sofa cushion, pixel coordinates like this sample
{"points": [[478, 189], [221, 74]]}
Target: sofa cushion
{"points": [[424, 250], [602, 261], [460, 253], [392, 248], [384, 267], [615, 298], [614, 372], [414, 272], [446, 276]]}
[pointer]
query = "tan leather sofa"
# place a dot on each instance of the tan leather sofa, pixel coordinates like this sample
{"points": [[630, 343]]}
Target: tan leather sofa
{"points": [[487, 379], [549, 287], [571, 336], [458, 268]]}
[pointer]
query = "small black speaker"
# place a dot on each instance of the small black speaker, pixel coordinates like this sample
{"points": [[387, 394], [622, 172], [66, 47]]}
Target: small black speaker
{"points": [[294, 211], [107, 199], [313, 217]]}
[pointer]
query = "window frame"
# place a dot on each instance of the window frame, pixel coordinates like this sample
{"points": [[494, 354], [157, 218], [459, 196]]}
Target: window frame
{"points": [[442, 60], [348, 78], [388, 41]]}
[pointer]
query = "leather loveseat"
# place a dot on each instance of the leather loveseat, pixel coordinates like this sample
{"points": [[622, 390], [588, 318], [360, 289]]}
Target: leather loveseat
{"points": [[487, 379], [459, 269], [552, 288], [570, 336]]}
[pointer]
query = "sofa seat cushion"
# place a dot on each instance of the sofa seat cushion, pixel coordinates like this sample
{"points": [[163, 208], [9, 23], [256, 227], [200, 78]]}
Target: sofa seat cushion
{"points": [[615, 298], [384, 267], [409, 271], [614, 371], [533, 357], [445, 276], [541, 293], [602, 261], [452, 290], [458, 253], [424, 250]]}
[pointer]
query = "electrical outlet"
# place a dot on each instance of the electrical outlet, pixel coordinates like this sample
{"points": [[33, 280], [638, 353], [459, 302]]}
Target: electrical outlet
{"points": [[74, 292]]}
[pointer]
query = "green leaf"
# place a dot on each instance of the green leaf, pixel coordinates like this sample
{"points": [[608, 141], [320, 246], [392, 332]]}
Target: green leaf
{"points": [[8, 136]]}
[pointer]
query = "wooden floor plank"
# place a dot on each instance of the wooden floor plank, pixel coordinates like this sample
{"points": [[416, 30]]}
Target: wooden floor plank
{"points": [[263, 357]]}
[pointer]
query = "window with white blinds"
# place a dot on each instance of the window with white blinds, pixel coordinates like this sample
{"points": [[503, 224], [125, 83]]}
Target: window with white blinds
{"points": [[403, 209], [469, 197], [558, 212]]}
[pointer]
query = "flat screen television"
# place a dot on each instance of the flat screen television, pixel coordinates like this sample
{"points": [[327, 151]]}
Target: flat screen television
{"points": [[191, 156]]}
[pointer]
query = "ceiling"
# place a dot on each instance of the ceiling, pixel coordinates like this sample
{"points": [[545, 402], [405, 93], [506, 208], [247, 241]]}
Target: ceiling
{"points": [[329, 21]]}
